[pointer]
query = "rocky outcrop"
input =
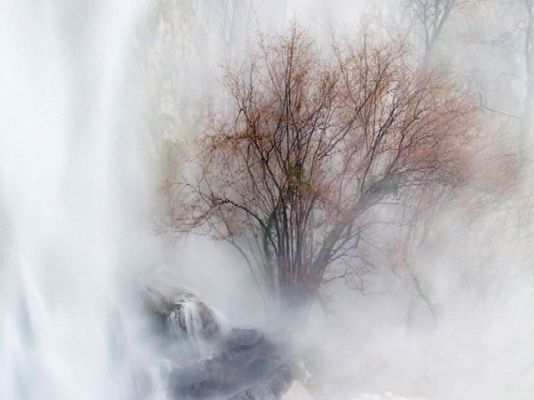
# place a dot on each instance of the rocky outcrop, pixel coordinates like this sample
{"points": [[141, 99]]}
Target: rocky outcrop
{"points": [[179, 314], [208, 363], [248, 367]]}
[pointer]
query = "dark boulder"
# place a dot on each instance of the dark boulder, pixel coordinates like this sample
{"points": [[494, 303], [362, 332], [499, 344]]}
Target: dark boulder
{"points": [[239, 339], [248, 367], [258, 392]]}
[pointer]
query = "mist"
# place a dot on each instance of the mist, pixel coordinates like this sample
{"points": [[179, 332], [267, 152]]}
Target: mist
{"points": [[104, 295]]}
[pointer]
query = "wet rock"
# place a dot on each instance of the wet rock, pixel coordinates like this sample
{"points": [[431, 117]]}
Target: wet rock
{"points": [[208, 363], [272, 389], [280, 382], [248, 367], [180, 314], [258, 392], [239, 339]]}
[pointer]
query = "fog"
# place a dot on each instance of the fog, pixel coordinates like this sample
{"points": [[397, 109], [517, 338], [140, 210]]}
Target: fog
{"points": [[101, 104]]}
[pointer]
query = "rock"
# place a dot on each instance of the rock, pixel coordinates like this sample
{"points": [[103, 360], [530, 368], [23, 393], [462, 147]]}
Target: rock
{"points": [[280, 382], [180, 314], [258, 392], [271, 389], [243, 338], [248, 367], [211, 364]]}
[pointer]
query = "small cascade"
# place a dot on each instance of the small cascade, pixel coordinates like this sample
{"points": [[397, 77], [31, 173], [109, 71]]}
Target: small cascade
{"points": [[208, 360], [181, 317], [192, 319]]}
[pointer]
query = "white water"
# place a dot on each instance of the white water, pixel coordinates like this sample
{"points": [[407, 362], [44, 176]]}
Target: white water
{"points": [[69, 180], [63, 220]]}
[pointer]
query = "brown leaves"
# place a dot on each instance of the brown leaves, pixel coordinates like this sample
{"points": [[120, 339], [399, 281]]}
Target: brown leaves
{"points": [[310, 144]]}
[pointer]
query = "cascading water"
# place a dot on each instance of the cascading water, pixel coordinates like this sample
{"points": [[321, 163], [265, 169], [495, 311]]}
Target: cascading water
{"points": [[185, 321], [193, 319], [72, 212], [63, 218], [69, 191]]}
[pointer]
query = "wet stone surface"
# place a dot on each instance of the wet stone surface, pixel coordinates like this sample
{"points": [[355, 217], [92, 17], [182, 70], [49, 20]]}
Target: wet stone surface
{"points": [[248, 367], [180, 314]]}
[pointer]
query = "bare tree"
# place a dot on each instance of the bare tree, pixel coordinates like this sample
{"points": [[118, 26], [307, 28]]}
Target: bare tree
{"points": [[431, 15], [515, 41], [311, 145], [526, 123]]}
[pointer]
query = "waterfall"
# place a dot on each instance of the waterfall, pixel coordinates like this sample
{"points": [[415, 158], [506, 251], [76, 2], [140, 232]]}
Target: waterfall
{"points": [[182, 319], [64, 161], [71, 183], [192, 318]]}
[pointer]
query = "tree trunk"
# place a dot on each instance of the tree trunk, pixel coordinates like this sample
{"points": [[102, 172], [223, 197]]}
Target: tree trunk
{"points": [[526, 120]]}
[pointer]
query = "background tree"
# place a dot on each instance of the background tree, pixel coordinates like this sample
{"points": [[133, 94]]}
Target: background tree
{"points": [[431, 16], [311, 148], [470, 31], [179, 53], [526, 123]]}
